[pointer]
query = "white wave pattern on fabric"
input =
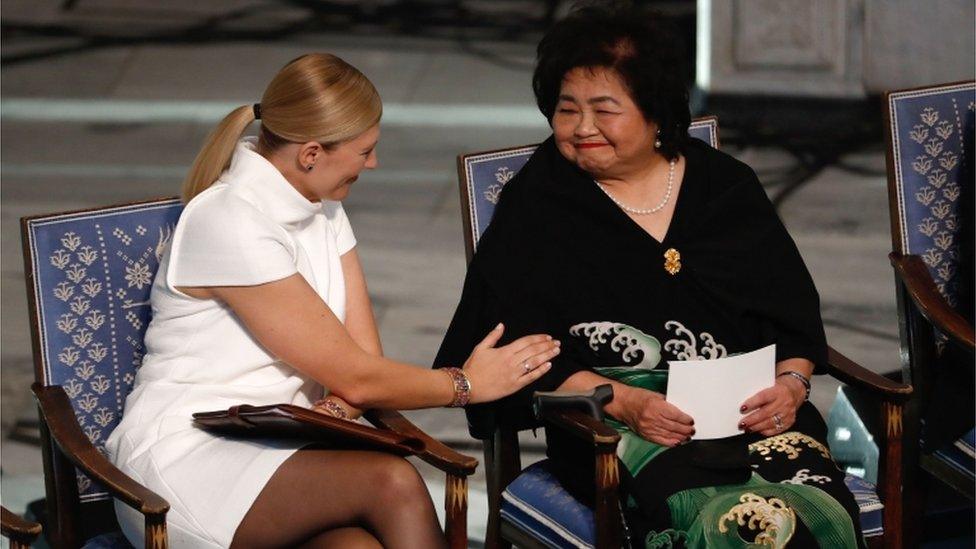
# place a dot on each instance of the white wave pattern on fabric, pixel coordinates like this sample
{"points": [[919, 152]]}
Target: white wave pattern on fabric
{"points": [[685, 346], [629, 342]]}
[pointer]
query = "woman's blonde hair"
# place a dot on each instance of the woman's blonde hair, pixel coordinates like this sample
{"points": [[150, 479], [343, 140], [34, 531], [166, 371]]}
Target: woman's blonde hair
{"points": [[317, 97]]}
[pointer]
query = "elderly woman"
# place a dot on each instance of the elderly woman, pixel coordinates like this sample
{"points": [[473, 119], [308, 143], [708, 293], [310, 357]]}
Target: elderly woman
{"points": [[634, 245]]}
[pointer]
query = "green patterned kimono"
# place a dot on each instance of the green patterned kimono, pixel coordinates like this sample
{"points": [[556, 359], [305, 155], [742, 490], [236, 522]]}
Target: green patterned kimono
{"points": [[762, 510]]}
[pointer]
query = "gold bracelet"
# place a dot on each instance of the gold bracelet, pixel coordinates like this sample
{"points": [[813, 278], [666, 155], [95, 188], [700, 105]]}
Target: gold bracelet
{"points": [[462, 387], [332, 407]]}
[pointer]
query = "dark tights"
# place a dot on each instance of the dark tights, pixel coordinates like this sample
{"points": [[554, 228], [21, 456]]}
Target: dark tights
{"points": [[342, 498]]}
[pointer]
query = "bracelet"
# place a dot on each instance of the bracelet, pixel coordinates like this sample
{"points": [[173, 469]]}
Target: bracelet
{"points": [[462, 387], [802, 378], [332, 407]]}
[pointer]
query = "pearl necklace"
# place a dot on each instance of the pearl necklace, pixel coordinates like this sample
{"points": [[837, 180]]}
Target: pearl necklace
{"points": [[648, 211]]}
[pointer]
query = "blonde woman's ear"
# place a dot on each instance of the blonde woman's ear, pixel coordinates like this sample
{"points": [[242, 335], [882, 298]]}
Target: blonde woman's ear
{"points": [[309, 154]]}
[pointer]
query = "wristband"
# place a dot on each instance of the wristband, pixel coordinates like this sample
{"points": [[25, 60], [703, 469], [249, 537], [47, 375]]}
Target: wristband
{"points": [[462, 387], [803, 380], [332, 407]]}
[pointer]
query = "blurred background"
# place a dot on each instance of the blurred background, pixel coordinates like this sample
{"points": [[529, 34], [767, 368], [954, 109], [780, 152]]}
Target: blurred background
{"points": [[107, 101]]}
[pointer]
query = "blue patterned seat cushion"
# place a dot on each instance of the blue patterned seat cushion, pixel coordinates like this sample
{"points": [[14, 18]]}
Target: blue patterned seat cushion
{"points": [[112, 540], [869, 504], [961, 454], [539, 506]]}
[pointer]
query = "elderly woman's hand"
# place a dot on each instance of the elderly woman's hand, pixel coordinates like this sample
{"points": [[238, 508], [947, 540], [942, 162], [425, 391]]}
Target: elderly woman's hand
{"points": [[648, 414], [773, 410]]}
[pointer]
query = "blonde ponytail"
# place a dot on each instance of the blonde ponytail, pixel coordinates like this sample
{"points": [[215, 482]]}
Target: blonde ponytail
{"points": [[316, 97], [216, 153]]}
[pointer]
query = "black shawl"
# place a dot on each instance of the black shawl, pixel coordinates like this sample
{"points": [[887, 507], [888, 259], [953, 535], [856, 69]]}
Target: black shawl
{"points": [[559, 253]]}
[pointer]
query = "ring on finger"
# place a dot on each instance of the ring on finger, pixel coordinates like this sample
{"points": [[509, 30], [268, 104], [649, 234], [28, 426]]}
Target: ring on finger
{"points": [[525, 366], [778, 421]]}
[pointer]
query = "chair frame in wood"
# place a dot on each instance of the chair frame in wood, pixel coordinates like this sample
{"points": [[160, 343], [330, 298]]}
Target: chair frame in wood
{"points": [[65, 448], [19, 531], [922, 313], [503, 457]]}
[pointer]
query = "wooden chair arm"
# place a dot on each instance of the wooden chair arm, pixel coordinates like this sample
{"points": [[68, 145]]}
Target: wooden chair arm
{"points": [[606, 504], [583, 426], [436, 452], [852, 373], [63, 426], [17, 529], [912, 272]]}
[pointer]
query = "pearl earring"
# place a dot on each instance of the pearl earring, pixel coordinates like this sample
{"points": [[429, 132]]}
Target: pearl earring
{"points": [[657, 143]]}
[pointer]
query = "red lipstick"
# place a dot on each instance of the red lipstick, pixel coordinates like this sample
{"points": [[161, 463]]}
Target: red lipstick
{"points": [[590, 145]]}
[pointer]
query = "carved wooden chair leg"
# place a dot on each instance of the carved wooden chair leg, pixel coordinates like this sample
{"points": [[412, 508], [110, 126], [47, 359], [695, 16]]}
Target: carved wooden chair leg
{"points": [[890, 469], [61, 488], [456, 511], [155, 531], [19, 544], [502, 464], [607, 503]]}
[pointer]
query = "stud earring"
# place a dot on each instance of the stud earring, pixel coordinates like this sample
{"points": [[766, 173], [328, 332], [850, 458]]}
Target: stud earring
{"points": [[657, 143], [309, 168]]}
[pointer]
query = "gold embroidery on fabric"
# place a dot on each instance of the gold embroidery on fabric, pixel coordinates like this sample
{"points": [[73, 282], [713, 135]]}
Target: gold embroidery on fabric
{"points": [[672, 261], [772, 516], [790, 443]]}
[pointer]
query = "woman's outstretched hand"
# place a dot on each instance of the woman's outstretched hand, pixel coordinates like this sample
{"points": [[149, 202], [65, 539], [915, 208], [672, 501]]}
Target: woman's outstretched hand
{"points": [[781, 401], [496, 372], [649, 415]]}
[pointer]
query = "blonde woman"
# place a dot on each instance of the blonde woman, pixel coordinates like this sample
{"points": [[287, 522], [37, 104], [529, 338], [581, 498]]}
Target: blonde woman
{"points": [[260, 298]]}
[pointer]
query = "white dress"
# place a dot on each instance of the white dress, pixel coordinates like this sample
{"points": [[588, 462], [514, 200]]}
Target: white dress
{"points": [[251, 227]]}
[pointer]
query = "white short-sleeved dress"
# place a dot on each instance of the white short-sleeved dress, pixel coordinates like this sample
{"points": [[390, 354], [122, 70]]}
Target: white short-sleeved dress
{"points": [[251, 227]]}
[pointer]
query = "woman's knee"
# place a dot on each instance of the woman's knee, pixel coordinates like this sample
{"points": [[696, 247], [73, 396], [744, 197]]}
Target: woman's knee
{"points": [[346, 538], [376, 479], [398, 480]]}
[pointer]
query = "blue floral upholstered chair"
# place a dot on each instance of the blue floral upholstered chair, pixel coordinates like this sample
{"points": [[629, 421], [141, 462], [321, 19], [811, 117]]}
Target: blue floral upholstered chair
{"points": [[529, 508], [89, 275], [929, 135], [88, 279]]}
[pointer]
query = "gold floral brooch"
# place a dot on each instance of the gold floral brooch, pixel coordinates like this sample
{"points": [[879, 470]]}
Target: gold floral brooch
{"points": [[672, 261]]}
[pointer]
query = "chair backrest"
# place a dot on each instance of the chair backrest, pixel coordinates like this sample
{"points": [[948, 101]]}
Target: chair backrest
{"points": [[89, 274], [927, 131], [483, 175], [929, 135]]}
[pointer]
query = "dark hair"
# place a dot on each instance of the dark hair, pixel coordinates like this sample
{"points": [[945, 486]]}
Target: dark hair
{"points": [[639, 46]]}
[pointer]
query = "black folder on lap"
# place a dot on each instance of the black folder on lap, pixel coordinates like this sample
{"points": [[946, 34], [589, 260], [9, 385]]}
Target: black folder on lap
{"points": [[294, 422]]}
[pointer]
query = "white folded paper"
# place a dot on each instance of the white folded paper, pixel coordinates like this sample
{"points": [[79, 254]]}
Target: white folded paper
{"points": [[711, 391]]}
